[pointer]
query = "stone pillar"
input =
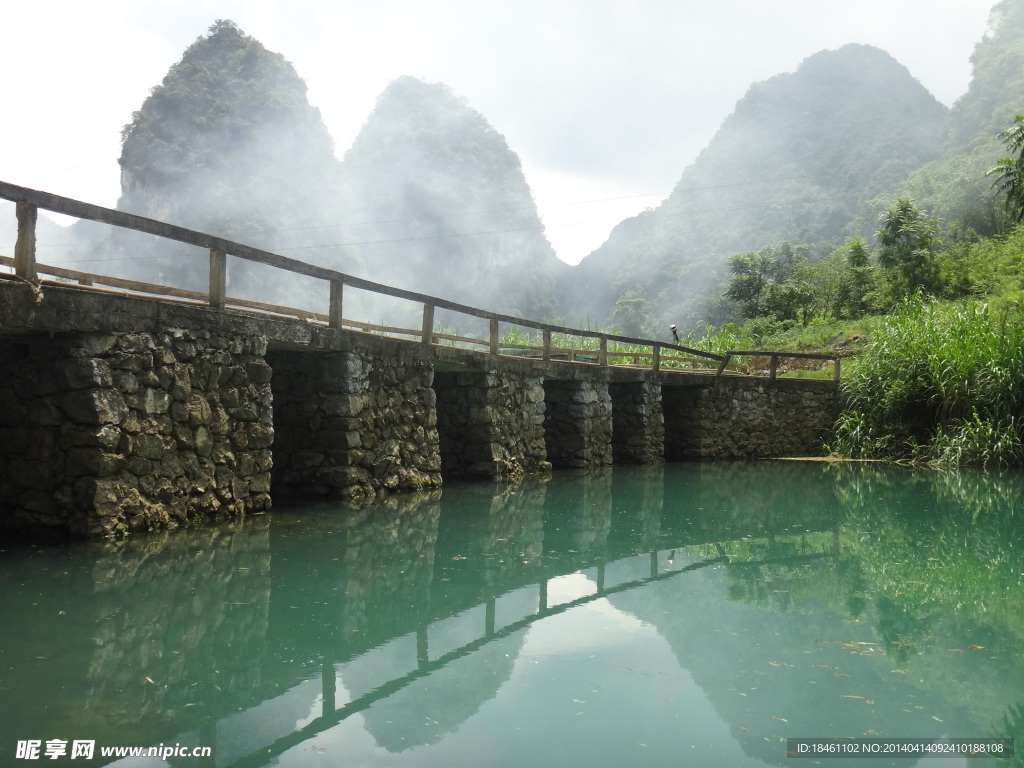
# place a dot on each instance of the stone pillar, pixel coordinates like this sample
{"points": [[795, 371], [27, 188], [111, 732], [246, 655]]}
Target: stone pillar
{"points": [[681, 407], [133, 431], [352, 423], [491, 425], [638, 427], [578, 423]]}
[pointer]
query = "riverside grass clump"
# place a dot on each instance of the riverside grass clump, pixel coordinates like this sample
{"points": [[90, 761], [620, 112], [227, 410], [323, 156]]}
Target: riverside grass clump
{"points": [[941, 384]]}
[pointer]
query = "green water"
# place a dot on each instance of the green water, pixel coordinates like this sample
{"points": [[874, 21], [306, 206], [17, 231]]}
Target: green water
{"points": [[692, 615]]}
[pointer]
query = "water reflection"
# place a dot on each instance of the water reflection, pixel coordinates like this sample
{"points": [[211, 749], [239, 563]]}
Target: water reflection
{"points": [[690, 612]]}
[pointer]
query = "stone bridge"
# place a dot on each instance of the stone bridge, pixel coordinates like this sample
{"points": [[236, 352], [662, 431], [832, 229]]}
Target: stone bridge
{"points": [[120, 411]]}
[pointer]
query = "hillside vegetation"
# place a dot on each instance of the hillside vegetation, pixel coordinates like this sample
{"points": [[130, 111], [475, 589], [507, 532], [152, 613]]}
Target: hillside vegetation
{"points": [[796, 161]]}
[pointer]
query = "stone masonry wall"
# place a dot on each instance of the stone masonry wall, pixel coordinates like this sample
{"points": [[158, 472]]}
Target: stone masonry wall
{"points": [[491, 425], [578, 423], [132, 431], [741, 418], [353, 423], [638, 427]]}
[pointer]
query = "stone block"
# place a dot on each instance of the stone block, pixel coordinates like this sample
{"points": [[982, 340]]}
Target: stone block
{"points": [[260, 436], [94, 406], [154, 447], [258, 371], [203, 441], [154, 401], [82, 373]]}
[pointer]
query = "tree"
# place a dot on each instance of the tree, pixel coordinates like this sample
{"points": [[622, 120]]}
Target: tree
{"points": [[906, 240], [844, 280], [631, 315], [773, 282], [1010, 171]]}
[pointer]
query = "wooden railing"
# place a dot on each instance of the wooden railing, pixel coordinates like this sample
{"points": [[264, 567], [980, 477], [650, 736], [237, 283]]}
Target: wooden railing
{"points": [[652, 355]]}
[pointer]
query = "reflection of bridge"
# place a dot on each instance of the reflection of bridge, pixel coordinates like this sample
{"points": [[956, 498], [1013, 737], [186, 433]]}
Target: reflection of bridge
{"points": [[660, 566]]}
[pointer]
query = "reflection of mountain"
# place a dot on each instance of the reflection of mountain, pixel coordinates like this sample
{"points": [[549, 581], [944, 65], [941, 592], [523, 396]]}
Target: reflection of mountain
{"points": [[794, 637], [436, 705], [780, 673]]}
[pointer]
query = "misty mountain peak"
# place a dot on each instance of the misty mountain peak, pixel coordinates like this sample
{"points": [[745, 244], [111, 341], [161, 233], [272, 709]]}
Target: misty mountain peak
{"points": [[795, 161], [455, 216], [431, 120], [230, 130]]}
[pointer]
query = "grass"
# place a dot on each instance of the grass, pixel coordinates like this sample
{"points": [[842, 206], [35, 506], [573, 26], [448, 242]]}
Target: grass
{"points": [[939, 383]]}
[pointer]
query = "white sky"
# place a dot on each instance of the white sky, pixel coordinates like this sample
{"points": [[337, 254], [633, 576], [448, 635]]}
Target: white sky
{"points": [[603, 100]]}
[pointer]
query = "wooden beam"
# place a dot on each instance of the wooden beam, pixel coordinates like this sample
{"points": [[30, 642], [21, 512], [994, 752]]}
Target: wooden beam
{"points": [[25, 247], [546, 352]]}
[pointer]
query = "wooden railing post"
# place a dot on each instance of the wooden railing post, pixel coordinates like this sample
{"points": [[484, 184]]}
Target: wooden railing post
{"points": [[334, 312], [835, 374], [546, 352], [25, 247], [656, 357], [218, 277], [494, 335], [602, 355], [725, 362], [773, 367], [428, 324]]}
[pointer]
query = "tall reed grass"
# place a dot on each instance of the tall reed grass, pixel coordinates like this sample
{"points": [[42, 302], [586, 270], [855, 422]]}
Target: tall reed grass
{"points": [[938, 383]]}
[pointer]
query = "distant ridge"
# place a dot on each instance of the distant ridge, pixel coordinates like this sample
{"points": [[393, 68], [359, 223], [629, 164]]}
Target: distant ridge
{"points": [[795, 161]]}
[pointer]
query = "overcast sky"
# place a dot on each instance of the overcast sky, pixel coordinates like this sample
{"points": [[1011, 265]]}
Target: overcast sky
{"points": [[605, 101]]}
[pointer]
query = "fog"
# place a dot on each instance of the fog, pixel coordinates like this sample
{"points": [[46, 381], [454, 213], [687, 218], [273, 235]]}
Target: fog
{"points": [[606, 103]]}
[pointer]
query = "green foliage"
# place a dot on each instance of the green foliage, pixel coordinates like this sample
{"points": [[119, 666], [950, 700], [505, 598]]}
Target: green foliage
{"points": [[845, 281], [1010, 171], [995, 266], [907, 246], [938, 383], [631, 316], [773, 282]]}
